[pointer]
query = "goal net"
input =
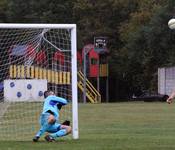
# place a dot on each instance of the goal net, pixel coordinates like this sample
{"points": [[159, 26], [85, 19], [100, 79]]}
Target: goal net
{"points": [[34, 58]]}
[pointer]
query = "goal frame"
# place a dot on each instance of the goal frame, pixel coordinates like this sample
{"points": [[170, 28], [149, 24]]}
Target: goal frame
{"points": [[72, 27]]}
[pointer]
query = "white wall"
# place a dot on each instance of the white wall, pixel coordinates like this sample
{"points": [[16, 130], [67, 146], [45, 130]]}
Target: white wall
{"points": [[166, 80], [24, 90]]}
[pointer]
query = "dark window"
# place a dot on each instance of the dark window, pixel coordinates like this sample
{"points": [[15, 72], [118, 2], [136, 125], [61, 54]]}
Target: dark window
{"points": [[93, 61]]}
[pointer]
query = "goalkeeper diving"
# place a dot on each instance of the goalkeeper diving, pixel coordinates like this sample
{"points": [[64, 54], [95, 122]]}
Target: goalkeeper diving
{"points": [[49, 119]]}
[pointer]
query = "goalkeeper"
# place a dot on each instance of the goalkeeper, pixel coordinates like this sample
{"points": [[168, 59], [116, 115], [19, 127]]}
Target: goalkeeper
{"points": [[49, 118]]}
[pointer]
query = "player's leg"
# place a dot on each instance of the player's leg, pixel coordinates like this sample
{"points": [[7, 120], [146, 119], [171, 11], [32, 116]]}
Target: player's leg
{"points": [[62, 131], [52, 129], [58, 130], [44, 122], [68, 128], [41, 131]]}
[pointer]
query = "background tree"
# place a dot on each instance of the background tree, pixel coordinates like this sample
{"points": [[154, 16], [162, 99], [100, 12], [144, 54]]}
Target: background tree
{"points": [[139, 38], [147, 43]]}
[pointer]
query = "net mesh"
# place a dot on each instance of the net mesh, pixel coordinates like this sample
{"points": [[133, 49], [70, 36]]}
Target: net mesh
{"points": [[28, 54]]}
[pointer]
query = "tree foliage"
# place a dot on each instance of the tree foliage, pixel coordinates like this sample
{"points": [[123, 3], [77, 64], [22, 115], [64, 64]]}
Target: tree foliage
{"points": [[139, 38], [147, 42]]}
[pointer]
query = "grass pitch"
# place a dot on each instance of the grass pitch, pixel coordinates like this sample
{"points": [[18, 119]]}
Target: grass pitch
{"points": [[115, 126]]}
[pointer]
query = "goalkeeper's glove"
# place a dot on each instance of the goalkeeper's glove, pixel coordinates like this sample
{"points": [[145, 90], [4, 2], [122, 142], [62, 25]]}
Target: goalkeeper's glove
{"points": [[66, 122]]}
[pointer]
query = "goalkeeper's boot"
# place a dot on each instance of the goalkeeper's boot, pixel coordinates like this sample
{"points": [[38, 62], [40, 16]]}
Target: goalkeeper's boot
{"points": [[35, 139], [49, 138]]}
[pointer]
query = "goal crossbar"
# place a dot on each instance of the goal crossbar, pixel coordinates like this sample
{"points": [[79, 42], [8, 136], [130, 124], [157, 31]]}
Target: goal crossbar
{"points": [[36, 26]]}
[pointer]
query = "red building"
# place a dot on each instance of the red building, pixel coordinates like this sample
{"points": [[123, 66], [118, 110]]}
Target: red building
{"points": [[92, 58], [93, 63], [79, 60]]}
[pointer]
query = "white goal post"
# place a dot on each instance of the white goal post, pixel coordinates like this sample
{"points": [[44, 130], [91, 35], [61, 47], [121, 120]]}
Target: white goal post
{"points": [[61, 75]]}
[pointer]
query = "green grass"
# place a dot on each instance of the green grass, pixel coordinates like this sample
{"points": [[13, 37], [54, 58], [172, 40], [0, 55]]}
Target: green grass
{"points": [[115, 126]]}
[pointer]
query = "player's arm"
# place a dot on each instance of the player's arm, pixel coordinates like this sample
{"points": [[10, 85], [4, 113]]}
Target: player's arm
{"points": [[57, 99], [171, 97], [61, 100]]}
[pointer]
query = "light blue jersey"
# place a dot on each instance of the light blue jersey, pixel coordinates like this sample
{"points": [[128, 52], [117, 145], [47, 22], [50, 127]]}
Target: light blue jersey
{"points": [[50, 104]]}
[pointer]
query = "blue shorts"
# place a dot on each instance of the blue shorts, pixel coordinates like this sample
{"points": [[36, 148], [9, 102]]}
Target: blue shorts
{"points": [[51, 128]]}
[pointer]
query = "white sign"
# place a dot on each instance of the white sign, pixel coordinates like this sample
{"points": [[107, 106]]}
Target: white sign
{"points": [[24, 90]]}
